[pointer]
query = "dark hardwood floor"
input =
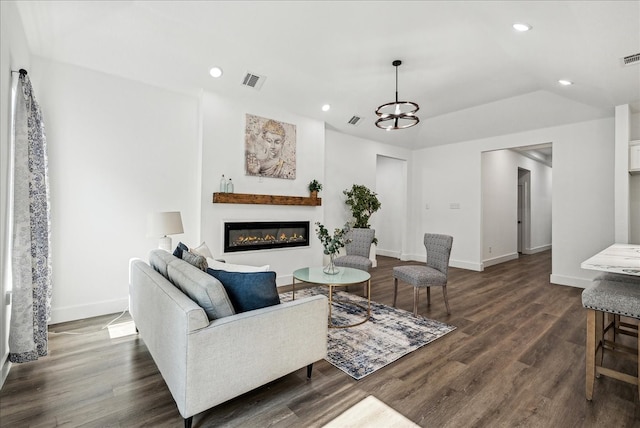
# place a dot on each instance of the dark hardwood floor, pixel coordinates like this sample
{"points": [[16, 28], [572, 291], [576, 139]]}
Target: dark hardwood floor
{"points": [[515, 360]]}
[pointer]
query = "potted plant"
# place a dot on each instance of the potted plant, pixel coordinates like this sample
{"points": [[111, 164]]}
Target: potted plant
{"points": [[332, 244], [363, 203], [314, 187]]}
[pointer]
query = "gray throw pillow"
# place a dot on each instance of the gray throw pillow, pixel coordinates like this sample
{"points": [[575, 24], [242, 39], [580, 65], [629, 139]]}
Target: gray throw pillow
{"points": [[198, 261], [202, 288]]}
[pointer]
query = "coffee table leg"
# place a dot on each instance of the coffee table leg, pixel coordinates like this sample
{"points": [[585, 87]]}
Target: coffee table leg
{"points": [[293, 289], [369, 298]]}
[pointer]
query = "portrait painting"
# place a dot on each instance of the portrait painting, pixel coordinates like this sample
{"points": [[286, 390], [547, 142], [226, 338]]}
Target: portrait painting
{"points": [[270, 148]]}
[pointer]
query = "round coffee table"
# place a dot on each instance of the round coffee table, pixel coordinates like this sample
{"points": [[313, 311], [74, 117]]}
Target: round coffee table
{"points": [[346, 276]]}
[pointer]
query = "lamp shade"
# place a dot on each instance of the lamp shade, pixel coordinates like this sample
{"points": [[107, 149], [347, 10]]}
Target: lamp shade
{"points": [[164, 223]]}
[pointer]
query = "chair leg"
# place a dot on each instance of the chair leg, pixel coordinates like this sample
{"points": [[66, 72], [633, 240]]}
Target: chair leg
{"points": [[446, 300], [428, 296], [590, 353], [416, 293], [395, 291]]}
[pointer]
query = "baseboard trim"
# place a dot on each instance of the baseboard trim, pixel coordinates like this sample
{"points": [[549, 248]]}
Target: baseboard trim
{"points": [[78, 312], [500, 259], [389, 253], [570, 281], [284, 280], [6, 366], [535, 250]]}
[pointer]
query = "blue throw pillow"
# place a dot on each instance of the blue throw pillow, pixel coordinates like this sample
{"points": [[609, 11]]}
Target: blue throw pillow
{"points": [[179, 249], [248, 290]]}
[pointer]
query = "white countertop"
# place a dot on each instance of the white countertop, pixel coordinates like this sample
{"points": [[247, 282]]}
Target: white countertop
{"points": [[618, 258]]}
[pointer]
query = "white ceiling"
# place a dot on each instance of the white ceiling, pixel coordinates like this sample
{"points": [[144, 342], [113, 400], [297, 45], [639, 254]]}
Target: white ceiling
{"points": [[471, 73]]}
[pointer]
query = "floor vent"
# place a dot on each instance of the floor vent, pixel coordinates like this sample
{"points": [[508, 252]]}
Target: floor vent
{"points": [[355, 120], [631, 59], [253, 80]]}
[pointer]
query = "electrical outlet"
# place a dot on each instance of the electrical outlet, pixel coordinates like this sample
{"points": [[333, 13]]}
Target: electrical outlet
{"points": [[489, 250], [454, 206], [7, 298]]}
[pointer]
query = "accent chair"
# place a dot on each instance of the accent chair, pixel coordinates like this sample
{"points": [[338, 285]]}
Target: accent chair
{"points": [[433, 273], [357, 249]]}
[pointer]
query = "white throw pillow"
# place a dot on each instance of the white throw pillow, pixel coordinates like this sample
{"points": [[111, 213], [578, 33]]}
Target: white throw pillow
{"points": [[230, 267], [202, 250]]}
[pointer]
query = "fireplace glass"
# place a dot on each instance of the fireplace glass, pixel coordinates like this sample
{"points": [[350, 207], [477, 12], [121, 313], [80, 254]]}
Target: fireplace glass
{"points": [[247, 236]]}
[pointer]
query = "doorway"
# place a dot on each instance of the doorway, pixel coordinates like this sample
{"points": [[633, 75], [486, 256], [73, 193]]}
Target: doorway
{"points": [[524, 209], [391, 179]]}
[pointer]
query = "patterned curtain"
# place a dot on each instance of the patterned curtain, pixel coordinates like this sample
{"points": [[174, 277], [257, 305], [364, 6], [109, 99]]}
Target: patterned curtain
{"points": [[30, 256]]}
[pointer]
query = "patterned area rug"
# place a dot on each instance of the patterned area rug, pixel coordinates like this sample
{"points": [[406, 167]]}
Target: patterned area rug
{"points": [[389, 334]]}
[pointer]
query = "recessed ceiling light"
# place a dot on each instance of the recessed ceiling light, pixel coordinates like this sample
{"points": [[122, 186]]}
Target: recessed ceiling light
{"points": [[215, 72], [522, 27], [564, 82], [326, 107]]}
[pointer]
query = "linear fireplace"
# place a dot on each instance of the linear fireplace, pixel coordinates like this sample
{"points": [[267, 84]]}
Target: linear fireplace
{"points": [[262, 235]]}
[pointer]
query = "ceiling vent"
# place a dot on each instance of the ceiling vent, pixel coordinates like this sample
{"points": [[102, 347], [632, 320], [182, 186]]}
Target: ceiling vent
{"points": [[631, 59], [355, 120], [253, 80]]}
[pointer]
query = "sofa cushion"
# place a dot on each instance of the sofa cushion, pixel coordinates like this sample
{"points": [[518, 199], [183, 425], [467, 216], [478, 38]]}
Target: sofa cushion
{"points": [[230, 267], [248, 290], [194, 259], [202, 288], [159, 260]]}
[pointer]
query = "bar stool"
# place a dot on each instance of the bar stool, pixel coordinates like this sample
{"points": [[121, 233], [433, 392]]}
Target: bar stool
{"points": [[616, 326], [615, 298]]}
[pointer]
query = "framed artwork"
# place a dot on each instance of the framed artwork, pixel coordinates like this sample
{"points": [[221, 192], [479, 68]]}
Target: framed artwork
{"points": [[269, 148]]}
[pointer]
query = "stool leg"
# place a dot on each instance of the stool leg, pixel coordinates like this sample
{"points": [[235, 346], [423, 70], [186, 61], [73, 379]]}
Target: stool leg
{"points": [[599, 338], [428, 296], [395, 291], [612, 323], [590, 353], [416, 293]]}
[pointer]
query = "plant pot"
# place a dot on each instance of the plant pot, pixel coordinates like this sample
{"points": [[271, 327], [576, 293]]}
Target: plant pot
{"points": [[314, 194]]}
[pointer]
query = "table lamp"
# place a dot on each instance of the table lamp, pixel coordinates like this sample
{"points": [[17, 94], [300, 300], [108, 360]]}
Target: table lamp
{"points": [[159, 225]]}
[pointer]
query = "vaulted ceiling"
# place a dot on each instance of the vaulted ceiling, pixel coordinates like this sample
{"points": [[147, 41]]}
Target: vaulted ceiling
{"points": [[471, 73]]}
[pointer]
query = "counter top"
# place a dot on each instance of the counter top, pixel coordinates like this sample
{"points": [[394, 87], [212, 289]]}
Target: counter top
{"points": [[618, 258]]}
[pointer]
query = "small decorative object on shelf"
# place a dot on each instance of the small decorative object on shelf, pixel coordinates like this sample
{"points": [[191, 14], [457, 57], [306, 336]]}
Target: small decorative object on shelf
{"points": [[229, 186], [223, 184], [332, 244], [314, 188]]}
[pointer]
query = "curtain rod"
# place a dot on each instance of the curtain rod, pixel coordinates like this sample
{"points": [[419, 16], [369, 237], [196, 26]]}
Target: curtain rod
{"points": [[22, 71]]}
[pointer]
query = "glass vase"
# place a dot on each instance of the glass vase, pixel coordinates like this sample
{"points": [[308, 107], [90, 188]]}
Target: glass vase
{"points": [[331, 268]]}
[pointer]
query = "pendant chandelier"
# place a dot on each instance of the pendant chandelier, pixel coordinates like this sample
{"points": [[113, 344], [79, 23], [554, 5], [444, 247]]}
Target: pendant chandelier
{"points": [[399, 114]]}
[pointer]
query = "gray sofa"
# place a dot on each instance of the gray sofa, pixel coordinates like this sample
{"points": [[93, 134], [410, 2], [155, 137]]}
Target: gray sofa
{"points": [[205, 363]]}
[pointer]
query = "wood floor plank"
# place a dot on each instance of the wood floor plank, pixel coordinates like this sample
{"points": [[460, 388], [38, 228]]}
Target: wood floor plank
{"points": [[515, 359]]}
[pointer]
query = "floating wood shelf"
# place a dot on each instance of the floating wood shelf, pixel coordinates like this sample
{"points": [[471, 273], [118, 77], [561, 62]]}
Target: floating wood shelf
{"points": [[246, 198]]}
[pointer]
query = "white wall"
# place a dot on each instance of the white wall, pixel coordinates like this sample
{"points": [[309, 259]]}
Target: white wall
{"points": [[118, 150], [441, 176], [499, 205], [391, 186], [14, 54], [582, 201], [634, 188], [223, 122], [351, 160]]}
